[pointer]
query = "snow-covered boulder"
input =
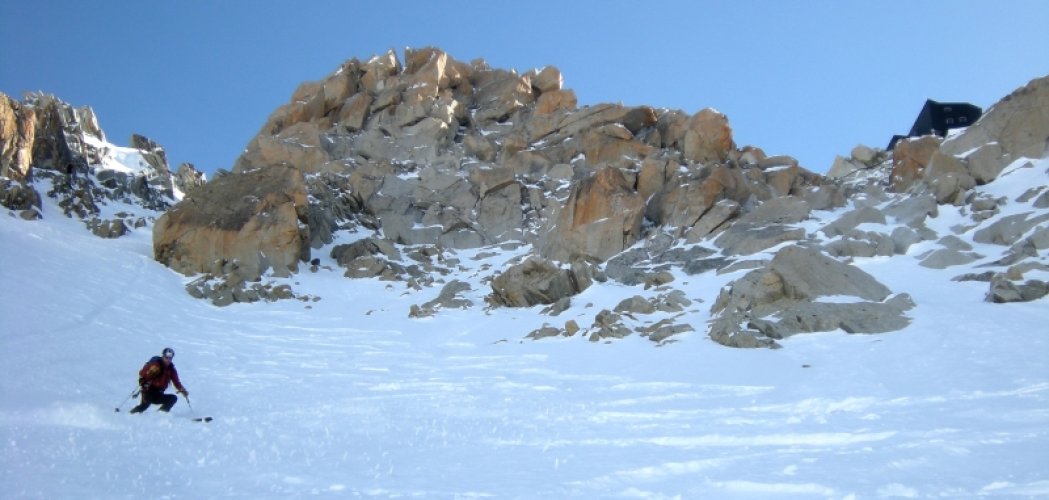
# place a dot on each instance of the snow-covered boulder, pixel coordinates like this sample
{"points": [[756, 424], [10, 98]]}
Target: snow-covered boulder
{"points": [[801, 290]]}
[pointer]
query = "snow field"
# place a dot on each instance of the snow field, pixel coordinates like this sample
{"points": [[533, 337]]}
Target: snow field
{"points": [[348, 397]]}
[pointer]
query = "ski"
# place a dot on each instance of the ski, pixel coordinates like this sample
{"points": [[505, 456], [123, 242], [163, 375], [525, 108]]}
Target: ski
{"points": [[202, 419]]}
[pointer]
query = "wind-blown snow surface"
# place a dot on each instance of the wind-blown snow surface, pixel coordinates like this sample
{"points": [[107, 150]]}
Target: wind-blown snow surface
{"points": [[348, 397]]}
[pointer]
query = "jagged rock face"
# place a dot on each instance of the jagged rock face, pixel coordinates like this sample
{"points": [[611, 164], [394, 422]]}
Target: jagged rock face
{"points": [[152, 152], [17, 130], [253, 220], [45, 139], [62, 134], [601, 218], [44, 133], [463, 155]]}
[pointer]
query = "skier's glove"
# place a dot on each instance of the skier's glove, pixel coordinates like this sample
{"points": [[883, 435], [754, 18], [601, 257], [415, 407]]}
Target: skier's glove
{"points": [[184, 393]]}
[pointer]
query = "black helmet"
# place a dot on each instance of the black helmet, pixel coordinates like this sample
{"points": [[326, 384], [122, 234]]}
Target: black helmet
{"points": [[169, 352]]}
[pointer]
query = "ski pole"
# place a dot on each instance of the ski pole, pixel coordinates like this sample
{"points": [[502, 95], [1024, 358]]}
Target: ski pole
{"points": [[133, 394]]}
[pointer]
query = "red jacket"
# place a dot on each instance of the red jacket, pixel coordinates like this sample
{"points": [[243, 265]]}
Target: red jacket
{"points": [[155, 375]]}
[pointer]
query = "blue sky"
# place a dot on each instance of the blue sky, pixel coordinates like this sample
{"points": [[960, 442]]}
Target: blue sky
{"points": [[810, 78]]}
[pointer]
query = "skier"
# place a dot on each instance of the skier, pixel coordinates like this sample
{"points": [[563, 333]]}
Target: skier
{"points": [[153, 380]]}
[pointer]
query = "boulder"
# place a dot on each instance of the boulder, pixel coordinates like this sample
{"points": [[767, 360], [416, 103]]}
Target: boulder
{"points": [[538, 281], [946, 257], [910, 157], [663, 330], [548, 79], [1010, 229], [985, 162], [851, 219], [16, 195], [1003, 290], [808, 317], [912, 210], [448, 298], [546, 331], [948, 178], [861, 244], [608, 325], [500, 93], [798, 273], [345, 254], [782, 299], [866, 155], [708, 138], [108, 229], [635, 305], [256, 219], [843, 167], [903, 238], [766, 226]]}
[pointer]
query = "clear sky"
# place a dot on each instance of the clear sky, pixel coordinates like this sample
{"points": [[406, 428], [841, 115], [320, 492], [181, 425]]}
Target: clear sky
{"points": [[808, 78]]}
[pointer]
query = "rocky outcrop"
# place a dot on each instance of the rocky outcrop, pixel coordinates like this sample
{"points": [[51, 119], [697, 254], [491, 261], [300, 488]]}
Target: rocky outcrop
{"points": [[448, 298], [784, 299], [461, 155], [536, 281], [17, 131], [910, 158], [1002, 290], [1015, 127], [862, 158], [45, 139], [254, 220], [65, 136], [708, 138], [436, 152]]}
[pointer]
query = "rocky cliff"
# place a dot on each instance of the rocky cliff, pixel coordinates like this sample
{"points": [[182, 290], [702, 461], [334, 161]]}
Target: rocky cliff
{"points": [[49, 144], [461, 155], [388, 168]]}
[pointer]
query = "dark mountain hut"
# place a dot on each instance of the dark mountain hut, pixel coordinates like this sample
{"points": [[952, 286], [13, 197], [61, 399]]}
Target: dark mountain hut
{"points": [[939, 117]]}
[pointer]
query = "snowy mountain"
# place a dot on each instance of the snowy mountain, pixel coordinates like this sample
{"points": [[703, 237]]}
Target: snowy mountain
{"points": [[348, 397], [422, 380]]}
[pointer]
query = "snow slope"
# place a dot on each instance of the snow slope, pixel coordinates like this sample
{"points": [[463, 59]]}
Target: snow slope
{"points": [[348, 397]]}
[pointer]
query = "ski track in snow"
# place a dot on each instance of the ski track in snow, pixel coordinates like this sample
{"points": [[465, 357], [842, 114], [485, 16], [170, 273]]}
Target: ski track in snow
{"points": [[349, 398]]}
